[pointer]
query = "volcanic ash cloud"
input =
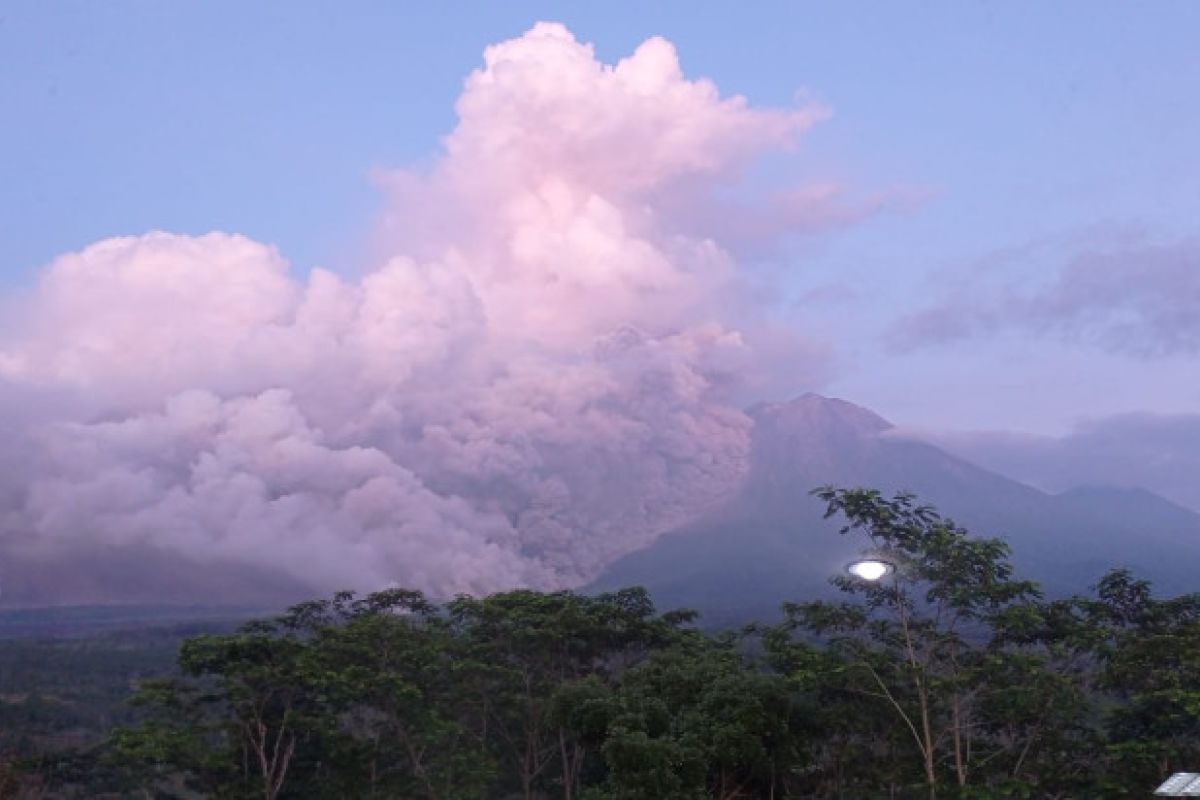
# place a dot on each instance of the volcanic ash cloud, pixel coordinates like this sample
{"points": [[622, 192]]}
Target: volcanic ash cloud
{"points": [[541, 379]]}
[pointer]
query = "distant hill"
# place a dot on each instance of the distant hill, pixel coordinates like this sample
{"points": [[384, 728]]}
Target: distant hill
{"points": [[771, 544], [92, 573], [60, 622]]}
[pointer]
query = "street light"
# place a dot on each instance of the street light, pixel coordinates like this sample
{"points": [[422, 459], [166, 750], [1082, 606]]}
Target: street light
{"points": [[870, 569]]}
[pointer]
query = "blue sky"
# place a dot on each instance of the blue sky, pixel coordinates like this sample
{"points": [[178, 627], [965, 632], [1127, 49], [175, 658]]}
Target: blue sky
{"points": [[1032, 134]]}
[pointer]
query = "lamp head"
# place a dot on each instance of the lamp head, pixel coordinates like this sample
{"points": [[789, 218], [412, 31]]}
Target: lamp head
{"points": [[870, 569]]}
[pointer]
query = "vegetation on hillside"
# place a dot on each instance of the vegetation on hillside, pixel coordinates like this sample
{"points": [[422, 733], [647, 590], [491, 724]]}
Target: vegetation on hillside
{"points": [[951, 678]]}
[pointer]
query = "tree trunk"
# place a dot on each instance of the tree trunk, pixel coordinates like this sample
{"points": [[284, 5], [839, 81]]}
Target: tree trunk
{"points": [[960, 767]]}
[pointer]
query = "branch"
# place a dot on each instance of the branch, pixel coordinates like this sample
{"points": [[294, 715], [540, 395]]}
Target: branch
{"points": [[899, 709]]}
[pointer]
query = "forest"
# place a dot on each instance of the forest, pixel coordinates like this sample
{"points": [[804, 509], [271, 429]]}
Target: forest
{"points": [[949, 678]]}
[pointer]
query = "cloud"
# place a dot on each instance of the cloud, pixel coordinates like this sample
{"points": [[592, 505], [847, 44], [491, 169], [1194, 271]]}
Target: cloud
{"points": [[1137, 300], [1159, 452], [543, 374], [564, 186]]}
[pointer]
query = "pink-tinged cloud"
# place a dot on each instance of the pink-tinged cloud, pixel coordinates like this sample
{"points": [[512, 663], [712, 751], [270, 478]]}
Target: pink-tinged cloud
{"points": [[1138, 300], [543, 373], [562, 185]]}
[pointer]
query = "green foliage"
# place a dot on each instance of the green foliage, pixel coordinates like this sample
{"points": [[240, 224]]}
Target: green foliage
{"points": [[927, 641], [696, 721], [1150, 660], [951, 677]]}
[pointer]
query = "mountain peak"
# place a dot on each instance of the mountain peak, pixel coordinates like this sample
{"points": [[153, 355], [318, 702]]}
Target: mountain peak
{"points": [[815, 413], [809, 441]]}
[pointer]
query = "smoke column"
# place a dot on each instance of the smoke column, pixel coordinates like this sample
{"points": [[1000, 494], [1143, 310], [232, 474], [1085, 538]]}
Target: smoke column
{"points": [[541, 376]]}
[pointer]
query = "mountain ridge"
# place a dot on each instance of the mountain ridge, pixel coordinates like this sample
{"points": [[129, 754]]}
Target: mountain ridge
{"points": [[771, 543]]}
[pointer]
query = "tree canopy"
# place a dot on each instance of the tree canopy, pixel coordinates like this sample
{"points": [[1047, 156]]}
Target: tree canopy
{"points": [[949, 677]]}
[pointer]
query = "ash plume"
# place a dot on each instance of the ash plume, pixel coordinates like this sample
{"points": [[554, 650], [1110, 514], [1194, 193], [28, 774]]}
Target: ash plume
{"points": [[544, 372]]}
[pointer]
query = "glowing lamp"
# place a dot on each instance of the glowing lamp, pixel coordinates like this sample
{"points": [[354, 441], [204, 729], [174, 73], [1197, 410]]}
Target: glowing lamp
{"points": [[870, 569]]}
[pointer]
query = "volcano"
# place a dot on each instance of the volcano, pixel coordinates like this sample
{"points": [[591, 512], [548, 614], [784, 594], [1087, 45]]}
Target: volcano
{"points": [[771, 543]]}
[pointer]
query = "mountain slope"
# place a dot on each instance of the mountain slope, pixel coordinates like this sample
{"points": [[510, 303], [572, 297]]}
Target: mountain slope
{"points": [[771, 544]]}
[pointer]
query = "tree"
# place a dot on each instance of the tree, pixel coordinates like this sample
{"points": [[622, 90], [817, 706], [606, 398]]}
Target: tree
{"points": [[385, 667], [696, 721], [1150, 663], [921, 640], [950, 677], [516, 650], [234, 723], [856, 748]]}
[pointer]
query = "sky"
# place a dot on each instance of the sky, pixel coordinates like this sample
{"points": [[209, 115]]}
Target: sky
{"points": [[977, 219], [1011, 138]]}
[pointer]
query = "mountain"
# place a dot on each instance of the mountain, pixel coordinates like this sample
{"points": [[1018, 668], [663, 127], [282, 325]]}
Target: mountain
{"points": [[771, 543]]}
